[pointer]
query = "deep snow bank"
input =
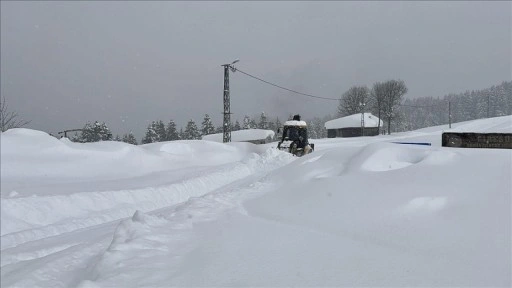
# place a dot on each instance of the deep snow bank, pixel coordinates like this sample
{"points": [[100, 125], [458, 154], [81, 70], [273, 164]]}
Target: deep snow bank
{"points": [[437, 216], [242, 135], [381, 215], [30, 155], [349, 214], [185, 169]]}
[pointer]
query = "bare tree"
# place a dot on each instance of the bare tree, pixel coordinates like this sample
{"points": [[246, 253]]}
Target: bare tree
{"points": [[394, 90], [353, 101], [377, 99], [9, 119]]}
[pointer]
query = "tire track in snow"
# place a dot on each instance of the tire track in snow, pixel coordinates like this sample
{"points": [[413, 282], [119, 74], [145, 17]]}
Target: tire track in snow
{"points": [[153, 234], [41, 264], [57, 269], [93, 208]]}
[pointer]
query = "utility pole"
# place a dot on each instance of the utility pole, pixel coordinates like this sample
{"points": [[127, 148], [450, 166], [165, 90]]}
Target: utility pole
{"points": [[488, 103], [362, 117], [362, 123], [449, 114], [226, 125]]}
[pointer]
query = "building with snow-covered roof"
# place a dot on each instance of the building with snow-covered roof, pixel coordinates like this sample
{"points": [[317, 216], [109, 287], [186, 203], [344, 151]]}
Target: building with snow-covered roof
{"points": [[350, 126], [256, 136]]}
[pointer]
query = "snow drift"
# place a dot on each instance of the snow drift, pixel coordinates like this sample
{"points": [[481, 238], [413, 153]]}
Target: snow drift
{"points": [[359, 211]]}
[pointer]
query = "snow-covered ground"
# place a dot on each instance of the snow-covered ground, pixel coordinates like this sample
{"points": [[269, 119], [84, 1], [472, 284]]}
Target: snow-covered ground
{"points": [[243, 135], [357, 211]]}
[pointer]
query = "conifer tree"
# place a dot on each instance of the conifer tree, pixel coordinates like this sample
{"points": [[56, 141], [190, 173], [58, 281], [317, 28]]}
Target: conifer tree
{"points": [[171, 132], [160, 131], [129, 138], [312, 132], [95, 132], [263, 121], [207, 125], [278, 125], [191, 131], [182, 134], [253, 124], [76, 138], [237, 127], [272, 126], [247, 122], [151, 134], [500, 101]]}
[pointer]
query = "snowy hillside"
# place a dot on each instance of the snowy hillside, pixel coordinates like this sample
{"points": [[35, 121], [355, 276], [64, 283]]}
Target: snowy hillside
{"points": [[357, 211]]}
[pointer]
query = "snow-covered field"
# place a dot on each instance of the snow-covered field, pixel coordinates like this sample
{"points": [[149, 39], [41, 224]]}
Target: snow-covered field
{"points": [[357, 211]]}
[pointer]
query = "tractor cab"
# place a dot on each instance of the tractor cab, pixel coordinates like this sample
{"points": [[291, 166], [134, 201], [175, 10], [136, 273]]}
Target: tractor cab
{"points": [[295, 137]]}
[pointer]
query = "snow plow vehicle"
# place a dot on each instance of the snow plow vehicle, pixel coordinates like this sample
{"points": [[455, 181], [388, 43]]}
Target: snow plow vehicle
{"points": [[295, 138]]}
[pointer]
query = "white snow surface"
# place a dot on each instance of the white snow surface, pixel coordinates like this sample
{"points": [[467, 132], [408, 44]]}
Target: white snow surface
{"points": [[242, 135], [295, 123], [492, 125], [354, 120], [356, 212]]}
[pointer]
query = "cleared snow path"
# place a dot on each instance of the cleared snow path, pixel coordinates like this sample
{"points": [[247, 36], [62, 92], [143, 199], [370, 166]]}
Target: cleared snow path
{"points": [[64, 213]]}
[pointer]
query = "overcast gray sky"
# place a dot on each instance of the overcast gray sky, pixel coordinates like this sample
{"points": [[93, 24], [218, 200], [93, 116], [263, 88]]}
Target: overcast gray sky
{"points": [[129, 63]]}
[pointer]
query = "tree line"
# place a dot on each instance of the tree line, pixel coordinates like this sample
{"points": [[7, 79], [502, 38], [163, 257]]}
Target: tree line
{"points": [[423, 112], [384, 99], [158, 131]]}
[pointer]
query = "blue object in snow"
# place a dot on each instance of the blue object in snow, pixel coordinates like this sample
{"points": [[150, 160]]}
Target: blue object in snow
{"points": [[414, 143]]}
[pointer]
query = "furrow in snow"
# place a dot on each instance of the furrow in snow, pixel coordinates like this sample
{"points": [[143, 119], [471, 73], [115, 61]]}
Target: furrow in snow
{"points": [[61, 214]]}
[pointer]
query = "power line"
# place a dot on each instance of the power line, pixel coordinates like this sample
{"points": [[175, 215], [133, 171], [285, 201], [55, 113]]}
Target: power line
{"points": [[284, 88], [319, 97], [421, 106]]}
